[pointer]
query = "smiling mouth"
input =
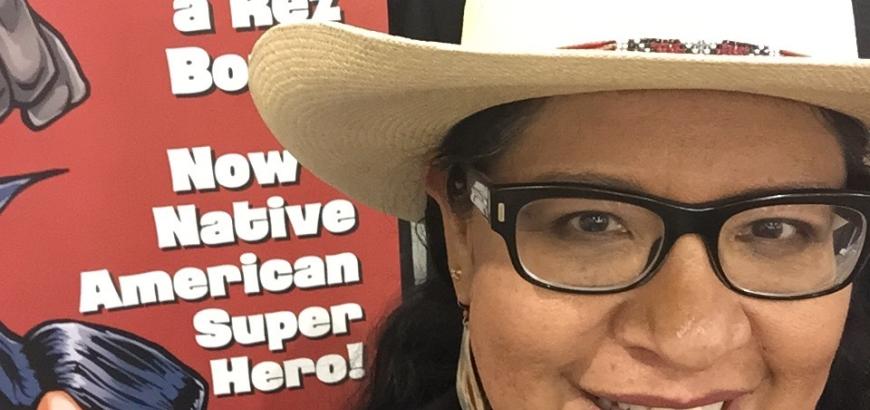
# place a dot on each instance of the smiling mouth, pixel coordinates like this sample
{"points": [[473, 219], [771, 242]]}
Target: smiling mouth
{"points": [[728, 400], [606, 404]]}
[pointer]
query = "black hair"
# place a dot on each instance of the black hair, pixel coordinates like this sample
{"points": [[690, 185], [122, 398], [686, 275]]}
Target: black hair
{"points": [[418, 346], [103, 368]]}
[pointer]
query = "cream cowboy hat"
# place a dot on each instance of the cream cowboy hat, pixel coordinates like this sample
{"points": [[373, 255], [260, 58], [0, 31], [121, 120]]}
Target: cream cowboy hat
{"points": [[363, 110]]}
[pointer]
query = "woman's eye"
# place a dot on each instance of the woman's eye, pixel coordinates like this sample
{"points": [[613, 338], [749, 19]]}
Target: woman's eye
{"points": [[773, 229], [596, 223]]}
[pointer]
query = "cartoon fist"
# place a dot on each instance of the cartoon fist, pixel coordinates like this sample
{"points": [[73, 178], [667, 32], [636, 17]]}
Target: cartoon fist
{"points": [[38, 73]]}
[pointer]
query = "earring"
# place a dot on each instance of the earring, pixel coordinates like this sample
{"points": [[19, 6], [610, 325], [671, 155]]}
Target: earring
{"points": [[469, 391], [465, 313], [456, 274]]}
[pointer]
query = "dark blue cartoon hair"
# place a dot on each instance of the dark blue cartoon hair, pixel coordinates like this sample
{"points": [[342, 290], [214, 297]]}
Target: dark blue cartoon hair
{"points": [[101, 368], [18, 386]]}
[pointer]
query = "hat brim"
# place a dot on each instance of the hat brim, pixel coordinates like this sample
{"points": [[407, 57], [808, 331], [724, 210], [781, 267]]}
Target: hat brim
{"points": [[363, 110]]}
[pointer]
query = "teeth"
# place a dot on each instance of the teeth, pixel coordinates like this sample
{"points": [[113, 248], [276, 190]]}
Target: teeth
{"points": [[615, 405]]}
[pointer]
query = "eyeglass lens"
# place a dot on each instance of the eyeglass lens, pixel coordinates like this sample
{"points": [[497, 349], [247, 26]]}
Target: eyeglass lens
{"points": [[791, 249], [600, 244]]}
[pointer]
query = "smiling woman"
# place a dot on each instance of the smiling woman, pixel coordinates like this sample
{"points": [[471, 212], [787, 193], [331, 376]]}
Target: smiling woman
{"points": [[644, 221], [610, 238]]}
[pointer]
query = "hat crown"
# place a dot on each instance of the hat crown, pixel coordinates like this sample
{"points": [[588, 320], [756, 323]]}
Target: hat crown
{"points": [[817, 28]]}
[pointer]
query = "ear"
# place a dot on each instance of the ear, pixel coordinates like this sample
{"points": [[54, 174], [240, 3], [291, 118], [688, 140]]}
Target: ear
{"points": [[455, 235]]}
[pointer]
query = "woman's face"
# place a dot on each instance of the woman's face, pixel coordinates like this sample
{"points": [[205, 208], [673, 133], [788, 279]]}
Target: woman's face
{"points": [[683, 339]]}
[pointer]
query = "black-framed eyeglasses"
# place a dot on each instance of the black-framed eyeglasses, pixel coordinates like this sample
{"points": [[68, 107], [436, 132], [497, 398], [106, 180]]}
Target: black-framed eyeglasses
{"points": [[580, 238]]}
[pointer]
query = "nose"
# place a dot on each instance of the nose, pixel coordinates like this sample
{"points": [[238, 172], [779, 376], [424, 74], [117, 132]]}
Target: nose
{"points": [[683, 318]]}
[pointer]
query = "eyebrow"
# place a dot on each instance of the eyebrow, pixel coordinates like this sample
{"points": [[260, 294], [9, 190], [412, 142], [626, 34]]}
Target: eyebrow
{"points": [[592, 178], [634, 186]]}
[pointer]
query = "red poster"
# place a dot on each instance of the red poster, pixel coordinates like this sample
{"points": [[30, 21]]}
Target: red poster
{"points": [[146, 214]]}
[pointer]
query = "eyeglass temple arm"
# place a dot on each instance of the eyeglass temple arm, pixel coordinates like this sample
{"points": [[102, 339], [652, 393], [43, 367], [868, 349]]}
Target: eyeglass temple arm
{"points": [[478, 191]]}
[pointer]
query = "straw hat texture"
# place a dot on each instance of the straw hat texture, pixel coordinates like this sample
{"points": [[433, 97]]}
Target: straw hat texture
{"points": [[363, 110]]}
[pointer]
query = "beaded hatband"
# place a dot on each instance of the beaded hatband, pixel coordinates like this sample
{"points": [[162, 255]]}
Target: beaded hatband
{"points": [[657, 45]]}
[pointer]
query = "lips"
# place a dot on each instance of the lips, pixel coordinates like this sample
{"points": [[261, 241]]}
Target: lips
{"points": [[606, 404], [716, 400]]}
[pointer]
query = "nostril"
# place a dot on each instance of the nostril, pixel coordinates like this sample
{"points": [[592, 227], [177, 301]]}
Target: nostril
{"points": [[646, 356]]}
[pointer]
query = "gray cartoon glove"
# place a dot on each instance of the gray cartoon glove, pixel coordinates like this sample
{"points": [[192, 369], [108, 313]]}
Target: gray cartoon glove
{"points": [[38, 73]]}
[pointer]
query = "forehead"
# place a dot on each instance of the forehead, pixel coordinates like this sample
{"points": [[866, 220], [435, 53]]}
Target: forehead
{"points": [[691, 146]]}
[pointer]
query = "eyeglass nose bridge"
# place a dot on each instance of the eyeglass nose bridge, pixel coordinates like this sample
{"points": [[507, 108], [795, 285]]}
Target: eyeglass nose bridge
{"points": [[680, 221]]}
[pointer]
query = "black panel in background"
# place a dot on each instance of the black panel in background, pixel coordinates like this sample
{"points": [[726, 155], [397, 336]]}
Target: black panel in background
{"points": [[862, 26], [430, 20], [406, 258]]}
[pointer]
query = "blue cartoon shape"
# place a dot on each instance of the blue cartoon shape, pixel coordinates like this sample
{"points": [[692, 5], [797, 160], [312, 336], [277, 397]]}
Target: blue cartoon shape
{"points": [[13, 185], [18, 386], [99, 367]]}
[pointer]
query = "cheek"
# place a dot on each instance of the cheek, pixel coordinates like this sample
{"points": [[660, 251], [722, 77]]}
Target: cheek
{"points": [[525, 338], [799, 339]]}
